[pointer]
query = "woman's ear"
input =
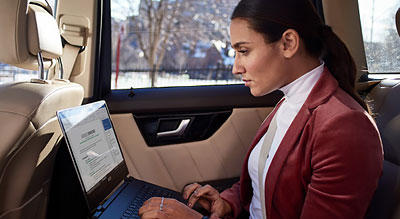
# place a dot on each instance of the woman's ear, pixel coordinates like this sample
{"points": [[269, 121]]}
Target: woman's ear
{"points": [[291, 41]]}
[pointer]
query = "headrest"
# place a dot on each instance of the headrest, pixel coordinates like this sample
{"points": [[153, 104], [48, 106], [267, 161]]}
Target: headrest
{"points": [[398, 21], [27, 28]]}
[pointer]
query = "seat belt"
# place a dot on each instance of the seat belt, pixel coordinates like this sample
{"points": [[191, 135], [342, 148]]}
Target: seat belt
{"points": [[68, 59], [74, 33], [264, 154], [65, 63]]}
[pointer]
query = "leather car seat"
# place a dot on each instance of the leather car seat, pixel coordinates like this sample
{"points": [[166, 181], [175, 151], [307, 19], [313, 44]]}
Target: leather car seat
{"points": [[385, 105], [29, 129]]}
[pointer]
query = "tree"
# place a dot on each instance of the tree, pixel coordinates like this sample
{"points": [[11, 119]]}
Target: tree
{"points": [[168, 26]]}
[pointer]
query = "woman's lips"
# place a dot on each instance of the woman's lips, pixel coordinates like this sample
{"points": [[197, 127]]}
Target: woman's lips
{"points": [[246, 82]]}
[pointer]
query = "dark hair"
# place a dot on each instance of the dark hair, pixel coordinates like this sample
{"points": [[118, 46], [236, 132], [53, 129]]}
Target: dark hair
{"points": [[273, 17]]}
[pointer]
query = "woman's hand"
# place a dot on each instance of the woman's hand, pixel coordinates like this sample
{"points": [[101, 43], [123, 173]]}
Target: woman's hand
{"points": [[166, 208], [208, 198]]}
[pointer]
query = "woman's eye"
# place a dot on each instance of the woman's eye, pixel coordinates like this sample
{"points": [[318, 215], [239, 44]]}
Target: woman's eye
{"points": [[244, 52]]}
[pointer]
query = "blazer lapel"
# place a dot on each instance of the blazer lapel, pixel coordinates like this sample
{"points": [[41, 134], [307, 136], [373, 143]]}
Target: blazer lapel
{"points": [[321, 92], [287, 143]]}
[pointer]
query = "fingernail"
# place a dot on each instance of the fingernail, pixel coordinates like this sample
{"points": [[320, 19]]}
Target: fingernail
{"points": [[190, 204]]}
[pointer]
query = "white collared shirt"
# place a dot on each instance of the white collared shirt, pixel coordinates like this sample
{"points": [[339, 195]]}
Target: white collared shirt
{"points": [[295, 95]]}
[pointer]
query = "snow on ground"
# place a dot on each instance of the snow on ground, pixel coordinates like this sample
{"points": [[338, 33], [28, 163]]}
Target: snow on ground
{"points": [[133, 79], [142, 79]]}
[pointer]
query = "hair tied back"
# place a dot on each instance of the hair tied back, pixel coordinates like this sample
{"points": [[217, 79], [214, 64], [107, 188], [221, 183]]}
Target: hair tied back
{"points": [[326, 31]]}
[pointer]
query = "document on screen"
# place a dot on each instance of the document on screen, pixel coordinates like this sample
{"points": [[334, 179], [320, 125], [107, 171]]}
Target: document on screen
{"points": [[93, 144]]}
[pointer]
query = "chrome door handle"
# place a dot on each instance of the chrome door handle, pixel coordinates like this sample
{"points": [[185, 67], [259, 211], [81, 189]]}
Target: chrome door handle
{"points": [[177, 132]]}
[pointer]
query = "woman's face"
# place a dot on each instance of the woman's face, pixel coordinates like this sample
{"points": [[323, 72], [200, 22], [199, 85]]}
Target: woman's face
{"points": [[261, 65]]}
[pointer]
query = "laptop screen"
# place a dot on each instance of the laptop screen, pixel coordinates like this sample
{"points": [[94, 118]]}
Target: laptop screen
{"points": [[92, 142]]}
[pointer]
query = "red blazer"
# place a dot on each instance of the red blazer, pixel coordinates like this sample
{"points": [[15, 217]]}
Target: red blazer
{"points": [[327, 165]]}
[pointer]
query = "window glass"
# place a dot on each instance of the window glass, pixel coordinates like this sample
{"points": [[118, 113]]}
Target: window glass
{"points": [[9, 73], [381, 41], [160, 43], [53, 4]]}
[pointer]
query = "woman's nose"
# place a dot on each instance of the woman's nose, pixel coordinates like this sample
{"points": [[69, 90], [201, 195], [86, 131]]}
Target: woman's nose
{"points": [[237, 67]]}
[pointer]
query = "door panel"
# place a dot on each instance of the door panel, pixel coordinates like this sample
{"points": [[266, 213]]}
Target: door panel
{"points": [[219, 156], [173, 166]]}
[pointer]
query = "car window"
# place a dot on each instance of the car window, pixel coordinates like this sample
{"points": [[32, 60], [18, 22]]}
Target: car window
{"points": [[9, 73], [381, 41], [161, 43]]}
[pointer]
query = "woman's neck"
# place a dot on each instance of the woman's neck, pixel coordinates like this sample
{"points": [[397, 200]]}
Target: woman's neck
{"points": [[300, 65]]}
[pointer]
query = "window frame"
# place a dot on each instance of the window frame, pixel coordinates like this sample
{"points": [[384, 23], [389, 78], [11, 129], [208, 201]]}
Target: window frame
{"points": [[374, 75], [103, 61]]}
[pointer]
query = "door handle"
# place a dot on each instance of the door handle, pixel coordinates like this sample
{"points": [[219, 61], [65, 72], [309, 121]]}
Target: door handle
{"points": [[178, 132]]}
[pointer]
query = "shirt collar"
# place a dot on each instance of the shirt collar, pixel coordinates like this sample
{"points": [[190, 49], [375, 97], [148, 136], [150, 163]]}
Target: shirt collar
{"points": [[297, 91]]}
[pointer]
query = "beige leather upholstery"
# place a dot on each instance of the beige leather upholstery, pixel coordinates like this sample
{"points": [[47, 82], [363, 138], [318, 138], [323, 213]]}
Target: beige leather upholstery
{"points": [[27, 29], [28, 134], [29, 128], [173, 166], [43, 33]]}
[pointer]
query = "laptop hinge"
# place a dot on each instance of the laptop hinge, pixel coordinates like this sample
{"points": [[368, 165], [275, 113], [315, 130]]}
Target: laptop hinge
{"points": [[99, 210]]}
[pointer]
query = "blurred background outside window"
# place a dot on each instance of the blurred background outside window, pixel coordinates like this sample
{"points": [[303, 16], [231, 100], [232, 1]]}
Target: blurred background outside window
{"points": [[381, 41], [161, 43]]}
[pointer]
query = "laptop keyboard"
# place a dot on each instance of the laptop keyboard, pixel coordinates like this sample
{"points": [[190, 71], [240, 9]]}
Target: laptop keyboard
{"points": [[145, 193]]}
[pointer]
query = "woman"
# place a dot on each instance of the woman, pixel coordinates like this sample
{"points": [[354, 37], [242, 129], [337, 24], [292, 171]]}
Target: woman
{"points": [[321, 156]]}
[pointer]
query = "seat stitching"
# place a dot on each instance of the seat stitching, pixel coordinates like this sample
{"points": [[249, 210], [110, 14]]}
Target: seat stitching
{"points": [[238, 135], [219, 154], [194, 162], [165, 166]]}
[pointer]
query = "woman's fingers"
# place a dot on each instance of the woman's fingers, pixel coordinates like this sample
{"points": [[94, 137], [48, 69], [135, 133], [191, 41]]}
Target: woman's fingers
{"points": [[152, 215], [152, 205], [206, 192], [148, 208], [189, 189], [153, 200], [171, 209], [205, 203]]}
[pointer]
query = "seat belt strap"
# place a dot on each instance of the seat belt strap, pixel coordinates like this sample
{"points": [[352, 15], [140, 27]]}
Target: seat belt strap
{"points": [[68, 58], [264, 154]]}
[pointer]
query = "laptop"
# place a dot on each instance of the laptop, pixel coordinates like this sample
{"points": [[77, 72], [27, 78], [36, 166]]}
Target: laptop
{"points": [[100, 164]]}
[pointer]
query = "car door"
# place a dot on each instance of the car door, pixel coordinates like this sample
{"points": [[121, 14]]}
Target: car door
{"points": [[175, 136]]}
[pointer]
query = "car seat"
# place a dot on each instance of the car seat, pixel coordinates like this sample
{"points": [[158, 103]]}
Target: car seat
{"points": [[29, 130], [385, 98]]}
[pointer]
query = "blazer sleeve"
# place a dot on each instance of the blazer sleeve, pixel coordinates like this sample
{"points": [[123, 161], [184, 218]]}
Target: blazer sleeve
{"points": [[347, 162], [232, 196]]}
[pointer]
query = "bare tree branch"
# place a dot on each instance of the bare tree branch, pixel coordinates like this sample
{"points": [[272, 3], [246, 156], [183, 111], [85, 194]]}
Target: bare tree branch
{"points": [[167, 35], [140, 39], [163, 27]]}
